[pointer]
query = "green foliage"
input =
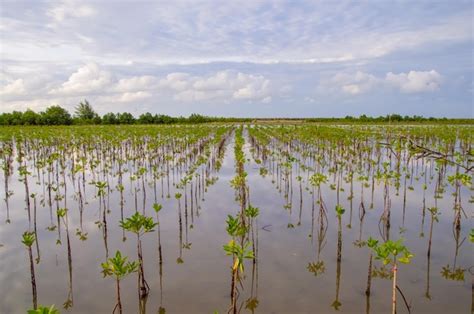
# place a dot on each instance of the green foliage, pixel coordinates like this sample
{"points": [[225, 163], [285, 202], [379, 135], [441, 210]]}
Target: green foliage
{"points": [[238, 180], [157, 207], [118, 266], [434, 213], [82, 235], [84, 113], [125, 118], [138, 224], [44, 310], [317, 268], [61, 212], [455, 274], [101, 186], [317, 179], [339, 211], [372, 243], [389, 251], [251, 212], [28, 238], [56, 115], [471, 235], [463, 178], [235, 227], [251, 304], [241, 253]]}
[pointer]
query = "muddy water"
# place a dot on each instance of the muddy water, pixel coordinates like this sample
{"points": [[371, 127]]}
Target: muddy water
{"points": [[287, 242]]}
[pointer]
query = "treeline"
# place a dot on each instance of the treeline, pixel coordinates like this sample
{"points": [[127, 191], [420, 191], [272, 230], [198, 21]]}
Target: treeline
{"points": [[85, 114], [392, 118]]}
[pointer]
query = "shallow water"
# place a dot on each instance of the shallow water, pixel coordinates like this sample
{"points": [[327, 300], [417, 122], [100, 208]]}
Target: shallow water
{"points": [[280, 279]]}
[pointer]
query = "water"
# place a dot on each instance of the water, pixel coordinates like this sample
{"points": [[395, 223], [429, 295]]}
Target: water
{"points": [[279, 280]]}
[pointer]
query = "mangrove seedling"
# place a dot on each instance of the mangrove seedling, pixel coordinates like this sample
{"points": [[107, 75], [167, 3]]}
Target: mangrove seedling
{"points": [[28, 239], [392, 252], [241, 253], [140, 224], [118, 267]]}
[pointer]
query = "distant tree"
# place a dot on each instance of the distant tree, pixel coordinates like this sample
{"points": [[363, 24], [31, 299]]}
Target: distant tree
{"points": [[363, 118], [84, 113], [56, 115], [30, 117], [163, 119], [395, 117], [16, 118], [5, 118], [125, 118], [146, 118], [109, 118], [197, 118]]}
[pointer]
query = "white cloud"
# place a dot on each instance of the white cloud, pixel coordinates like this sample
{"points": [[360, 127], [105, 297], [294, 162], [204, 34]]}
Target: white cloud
{"points": [[361, 82], [223, 85], [87, 79], [177, 81], [136, 83], [135, 96], [70, 9], [354, 84], [14, 88], [92, 82], [415, 81]]}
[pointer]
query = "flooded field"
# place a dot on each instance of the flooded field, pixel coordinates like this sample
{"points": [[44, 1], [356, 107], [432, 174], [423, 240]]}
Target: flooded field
{"points": [[237, 218]]}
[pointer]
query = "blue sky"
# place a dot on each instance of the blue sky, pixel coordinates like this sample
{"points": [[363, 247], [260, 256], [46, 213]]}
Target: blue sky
{"points": [[240, 58]]}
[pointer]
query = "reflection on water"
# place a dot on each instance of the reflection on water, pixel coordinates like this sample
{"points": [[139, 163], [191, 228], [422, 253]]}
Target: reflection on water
{"points": [[306, 258]]}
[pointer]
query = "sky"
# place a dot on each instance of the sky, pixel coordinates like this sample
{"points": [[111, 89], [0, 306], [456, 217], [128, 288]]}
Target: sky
{"points": [[240, 58]]}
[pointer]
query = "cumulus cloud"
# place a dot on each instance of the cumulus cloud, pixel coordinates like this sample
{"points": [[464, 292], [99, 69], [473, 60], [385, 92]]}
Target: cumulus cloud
{"points": [[354, 84], [93, 82], [177, 81], [361, 82], [134, 96], [225, 85], [415, 81], [136, 83], [13, 88], [87, 79]]}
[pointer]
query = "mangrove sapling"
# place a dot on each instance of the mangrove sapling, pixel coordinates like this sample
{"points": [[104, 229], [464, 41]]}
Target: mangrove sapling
{"points": [[157, 208], [118, 267], [63, 213], [28, 239], [434, 218], [180, 260], [140, 224], [299, 179], [339, 212], [23, 172], [33, 196], [44, 310], [371, 244], [101, 193], [392, 253], [7, 170], [239, 254], [252, 213]]}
